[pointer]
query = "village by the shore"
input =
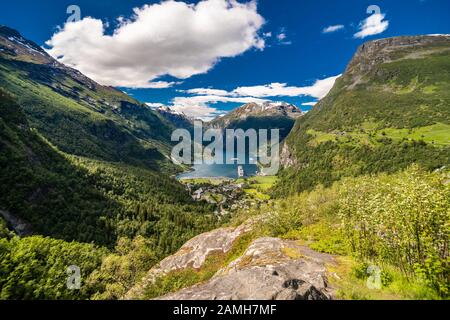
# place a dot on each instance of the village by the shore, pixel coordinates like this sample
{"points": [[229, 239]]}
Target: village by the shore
{"points": [[230, 194]]}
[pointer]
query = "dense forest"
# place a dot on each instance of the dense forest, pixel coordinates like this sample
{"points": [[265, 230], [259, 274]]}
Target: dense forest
{"points": [[85, 180], [91, 202]]}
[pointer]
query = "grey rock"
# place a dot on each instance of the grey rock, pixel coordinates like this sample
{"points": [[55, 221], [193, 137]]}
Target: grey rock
{"points": [[20, 226], [193, 254], [270, 269], [287, 159]]}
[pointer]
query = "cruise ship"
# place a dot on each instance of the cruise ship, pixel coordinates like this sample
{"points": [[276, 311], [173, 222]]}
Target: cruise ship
{"points": [[241, 172]]}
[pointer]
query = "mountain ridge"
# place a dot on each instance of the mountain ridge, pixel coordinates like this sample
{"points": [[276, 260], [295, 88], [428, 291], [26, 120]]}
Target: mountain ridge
{"points": [[388, 110], [267, 115], [379, 118], [265, 109], [178, 119], [51, 92], [85, 162]]}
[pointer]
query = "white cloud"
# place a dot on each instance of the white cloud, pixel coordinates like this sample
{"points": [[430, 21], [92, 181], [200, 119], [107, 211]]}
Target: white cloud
{"points": [[311, 104], [154, 105], [318, 90], [281, 36], [161, 84], [334, 28], [375, 24], [170, 38], [199, 106], [207, 91]]}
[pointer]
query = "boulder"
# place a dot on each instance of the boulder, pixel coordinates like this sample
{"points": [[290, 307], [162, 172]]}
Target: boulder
{"points": [[270, 269], [192, 254]]}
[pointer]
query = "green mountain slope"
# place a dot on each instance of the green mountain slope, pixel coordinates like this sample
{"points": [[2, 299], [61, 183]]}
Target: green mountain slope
{"points": [[74, 198], [67, 209], [84, 162], [391, 108], [78, 115]]}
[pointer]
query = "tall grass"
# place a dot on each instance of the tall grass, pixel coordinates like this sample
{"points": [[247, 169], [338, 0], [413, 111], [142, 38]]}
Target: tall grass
{"points": [[400, 220]]}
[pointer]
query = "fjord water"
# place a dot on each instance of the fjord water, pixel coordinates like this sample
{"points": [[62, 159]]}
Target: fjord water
{"points": [[219, 170]]}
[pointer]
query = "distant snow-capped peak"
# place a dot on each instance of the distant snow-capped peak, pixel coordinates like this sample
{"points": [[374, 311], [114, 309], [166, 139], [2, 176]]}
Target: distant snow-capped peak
{"points": [[269, 106], [163, 108], [169, 110], [275, 104]]}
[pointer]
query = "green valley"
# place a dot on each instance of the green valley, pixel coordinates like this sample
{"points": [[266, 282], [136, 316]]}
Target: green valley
{"points": [[86, 180], [83, 168]]}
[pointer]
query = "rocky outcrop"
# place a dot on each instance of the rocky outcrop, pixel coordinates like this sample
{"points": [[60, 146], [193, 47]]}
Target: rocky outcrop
{"points": [[287, 159], [192, 255], [20, 227], [270, 269]]}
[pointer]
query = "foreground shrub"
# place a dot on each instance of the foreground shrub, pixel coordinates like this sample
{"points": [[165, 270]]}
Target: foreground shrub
{"points": [[402, 219]]}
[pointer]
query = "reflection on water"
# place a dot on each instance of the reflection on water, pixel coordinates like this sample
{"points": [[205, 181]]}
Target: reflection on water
{"points": [[219, 170]]}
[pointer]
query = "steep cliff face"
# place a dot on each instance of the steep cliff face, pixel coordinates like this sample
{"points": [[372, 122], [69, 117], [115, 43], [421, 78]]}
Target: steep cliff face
{"points": [[389, 81], [287, 159], [377, 52], [391, 108]]}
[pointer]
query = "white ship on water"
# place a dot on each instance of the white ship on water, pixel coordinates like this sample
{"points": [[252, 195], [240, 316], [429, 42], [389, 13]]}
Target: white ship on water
{"points": [[241, 172], [240, 169]]}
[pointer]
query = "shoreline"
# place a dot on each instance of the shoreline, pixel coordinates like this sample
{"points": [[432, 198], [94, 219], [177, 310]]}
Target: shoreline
{"points": [[177, 177], [208, 178]]}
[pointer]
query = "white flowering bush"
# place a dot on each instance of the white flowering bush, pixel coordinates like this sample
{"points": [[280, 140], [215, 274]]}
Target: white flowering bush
{"points": [[401, 219]]}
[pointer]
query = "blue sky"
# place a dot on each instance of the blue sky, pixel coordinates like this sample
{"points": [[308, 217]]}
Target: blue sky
{"points": [[265, 50]]}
